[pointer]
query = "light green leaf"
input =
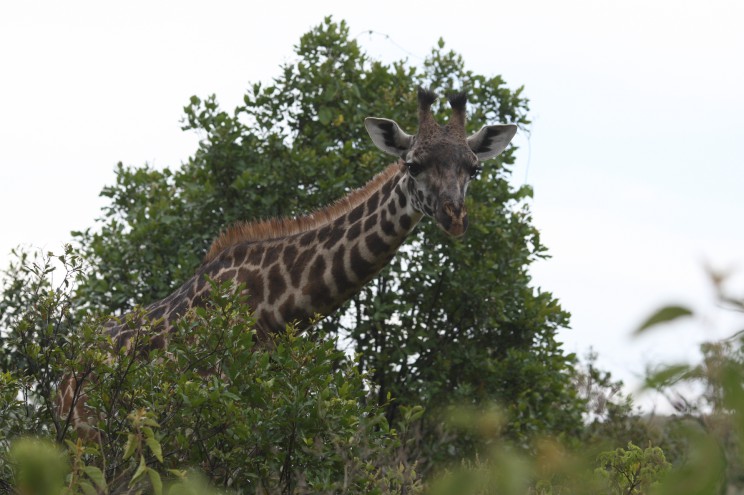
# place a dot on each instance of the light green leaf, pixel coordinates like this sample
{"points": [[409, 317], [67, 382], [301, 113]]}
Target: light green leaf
{"points": [[667, 376], [96, 475], [324, 116], [157, 483], [178, 473], [141, 469], [131, 446], [155, 448], [87, 488], [664, 315], [151, 422]]}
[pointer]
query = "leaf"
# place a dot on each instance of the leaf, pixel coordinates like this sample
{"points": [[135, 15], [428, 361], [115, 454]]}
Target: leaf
{"points": [[96, 475], [155, 448], [324, 115], [131, 446], [151, 422], [666, 376], [148, 432], [87, 488], [157, 483], [141, 469], [664, 315], [178, 473]]}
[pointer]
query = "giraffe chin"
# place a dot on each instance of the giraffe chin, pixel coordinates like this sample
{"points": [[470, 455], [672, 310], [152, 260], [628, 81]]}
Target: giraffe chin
{"points": [[454, 227], [457, 230]]}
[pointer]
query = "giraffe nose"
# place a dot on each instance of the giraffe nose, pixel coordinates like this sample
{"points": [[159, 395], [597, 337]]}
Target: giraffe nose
{"points": [[453, 210], [455, 218]]}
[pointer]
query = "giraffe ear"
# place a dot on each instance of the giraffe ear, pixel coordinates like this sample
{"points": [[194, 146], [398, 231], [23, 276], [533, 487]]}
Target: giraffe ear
{"points": [[388, 136], [491, 140]]}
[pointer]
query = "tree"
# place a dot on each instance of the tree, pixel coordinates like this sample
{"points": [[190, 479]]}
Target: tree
{"points": [[449, 322]]}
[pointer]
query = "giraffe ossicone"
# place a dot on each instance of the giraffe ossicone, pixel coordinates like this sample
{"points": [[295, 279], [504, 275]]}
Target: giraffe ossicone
{"points": [[295, 268]]}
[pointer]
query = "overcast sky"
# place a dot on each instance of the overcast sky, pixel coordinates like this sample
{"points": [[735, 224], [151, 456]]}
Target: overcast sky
{"points": [[636, 153]]}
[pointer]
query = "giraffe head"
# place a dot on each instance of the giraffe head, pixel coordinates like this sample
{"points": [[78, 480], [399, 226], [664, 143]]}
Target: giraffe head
{"points": [[441, 159]]}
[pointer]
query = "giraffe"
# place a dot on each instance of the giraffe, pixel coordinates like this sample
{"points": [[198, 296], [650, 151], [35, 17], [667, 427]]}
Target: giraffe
{"points": [[295, 268]]}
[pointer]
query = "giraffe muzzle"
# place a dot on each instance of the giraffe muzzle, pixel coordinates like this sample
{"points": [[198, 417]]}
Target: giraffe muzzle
{"points": [[453, 219]]}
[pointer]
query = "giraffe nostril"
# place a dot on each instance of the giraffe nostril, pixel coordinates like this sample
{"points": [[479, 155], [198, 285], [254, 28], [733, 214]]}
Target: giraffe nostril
{"points": [[453, 210]]}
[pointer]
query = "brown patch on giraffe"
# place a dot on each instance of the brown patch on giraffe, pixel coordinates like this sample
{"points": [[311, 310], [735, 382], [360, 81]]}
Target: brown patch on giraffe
{"points": [[287, 305], [402, 201], [171, 297], [200, 299], [354, 231], [340, 222], [308, 238], [191, 291], [370, 222], [302, 260], [179, 310], [266, 319], [324, 233], [405, 222], [318, 268], [372, 202], [271, 255], [255, 255], [387, 187], [336, 235], [277, 284], [254, 283], [157, 341], [322, 298], [229, 274], [201, 284], [289, 254], [355, 214], [238, 253], [338, 270], [276, 228], [317, 289], [376, 244], [290, 312], [391, 208], [388, 227], [156, 313], [361, 267]]}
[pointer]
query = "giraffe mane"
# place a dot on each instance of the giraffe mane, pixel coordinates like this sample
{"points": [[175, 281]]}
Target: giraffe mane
{"points": [[275, 228]]}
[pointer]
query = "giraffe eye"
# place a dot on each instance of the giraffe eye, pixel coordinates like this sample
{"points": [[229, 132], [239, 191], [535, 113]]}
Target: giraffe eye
{"points": [[475, 171], [414, 168]]}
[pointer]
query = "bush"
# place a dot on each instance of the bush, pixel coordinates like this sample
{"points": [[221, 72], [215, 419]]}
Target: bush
{"points": [[292, 416]]}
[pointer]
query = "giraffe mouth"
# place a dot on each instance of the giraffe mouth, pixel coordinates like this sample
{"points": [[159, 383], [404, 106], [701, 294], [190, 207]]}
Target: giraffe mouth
{"points": [[453, 219]]}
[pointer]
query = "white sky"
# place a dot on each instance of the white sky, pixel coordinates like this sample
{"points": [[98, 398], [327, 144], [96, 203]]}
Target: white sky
{"points": [[636, 153]]}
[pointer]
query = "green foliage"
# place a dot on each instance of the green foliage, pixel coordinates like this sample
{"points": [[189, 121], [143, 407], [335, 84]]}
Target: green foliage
{"points": [[713, 429], [293, 417], [40, 466], [633, 470], [36, 315], [611, 419]]}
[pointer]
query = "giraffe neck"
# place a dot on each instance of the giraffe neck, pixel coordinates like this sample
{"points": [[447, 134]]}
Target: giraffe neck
{"points": [[316, 271], [296, 275]]}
